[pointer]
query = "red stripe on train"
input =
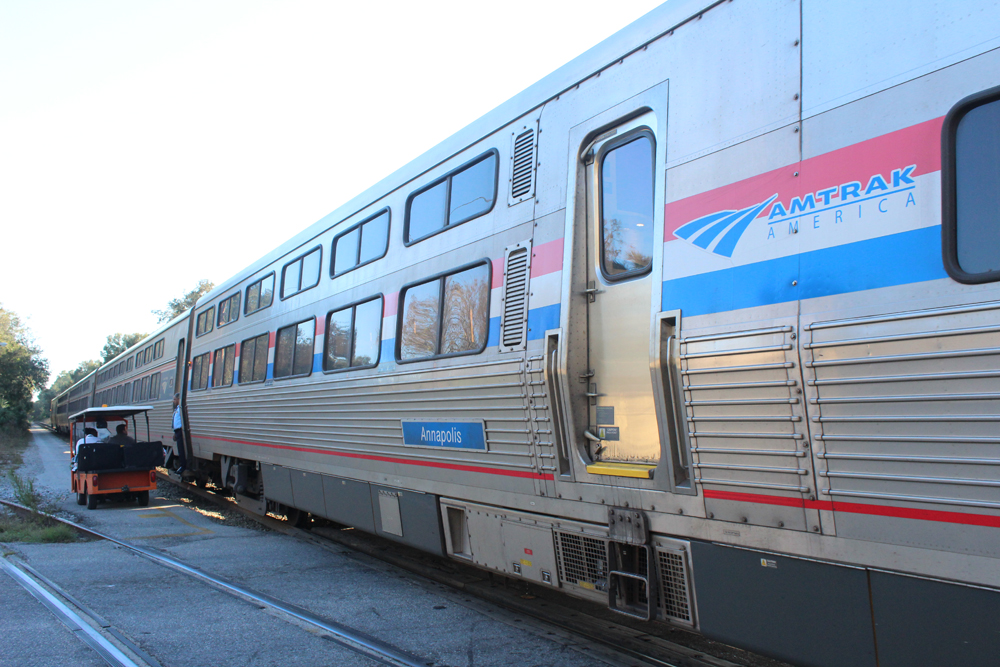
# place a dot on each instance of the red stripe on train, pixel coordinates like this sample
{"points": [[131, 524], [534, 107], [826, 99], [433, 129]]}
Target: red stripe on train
{"points": [[860, 508], [390, 459]]}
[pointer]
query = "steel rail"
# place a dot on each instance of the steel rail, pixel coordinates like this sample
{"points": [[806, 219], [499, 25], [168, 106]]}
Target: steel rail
{"points": [[345, 636]]}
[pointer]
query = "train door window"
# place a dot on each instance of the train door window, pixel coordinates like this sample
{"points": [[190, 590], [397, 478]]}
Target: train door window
{"points": [[154, 386], [461, 195], [293, 351], [447, 315], [361, 244], [971, 189], [354, 336], [301, 273], [260, 294], [253, 359], [199, 372], [229, 309], [627, 208], [205, 322], [225, 362]]}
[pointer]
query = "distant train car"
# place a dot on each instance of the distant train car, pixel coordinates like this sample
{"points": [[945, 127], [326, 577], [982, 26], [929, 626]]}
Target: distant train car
{"points": [[703, 325]]}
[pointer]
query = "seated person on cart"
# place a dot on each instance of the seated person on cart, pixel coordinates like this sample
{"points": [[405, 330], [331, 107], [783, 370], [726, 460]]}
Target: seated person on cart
{"points": [[89, 437], [121, 436]]}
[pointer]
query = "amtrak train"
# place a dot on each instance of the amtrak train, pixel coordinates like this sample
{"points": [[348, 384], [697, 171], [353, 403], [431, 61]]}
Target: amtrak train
{"points": [[705, 326]]}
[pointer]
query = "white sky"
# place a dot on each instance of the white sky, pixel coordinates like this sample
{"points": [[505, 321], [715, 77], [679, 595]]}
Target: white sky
{"points": [[145, 145]]}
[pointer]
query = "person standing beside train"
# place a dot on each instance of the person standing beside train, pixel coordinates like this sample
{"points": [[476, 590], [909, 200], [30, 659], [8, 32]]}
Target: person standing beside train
{"points": [[179, 435]]}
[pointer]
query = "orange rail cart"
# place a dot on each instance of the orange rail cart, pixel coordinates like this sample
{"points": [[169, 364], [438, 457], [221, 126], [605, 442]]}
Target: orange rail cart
{"points": [[108, 466]]}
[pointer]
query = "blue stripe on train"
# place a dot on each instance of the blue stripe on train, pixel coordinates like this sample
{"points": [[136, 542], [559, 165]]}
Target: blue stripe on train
{"points": [[897, 259]]}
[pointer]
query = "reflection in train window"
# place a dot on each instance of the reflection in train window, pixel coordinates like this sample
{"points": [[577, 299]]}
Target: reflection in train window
{"points": [[977, 191], [361, 244], [260, 294], [229, 309], [445, 316], [199, 372], [206, 322], [627, 208], [253, 359], [301, 273], [460, 196], [225, 362], [354, 336], [293, 351]]}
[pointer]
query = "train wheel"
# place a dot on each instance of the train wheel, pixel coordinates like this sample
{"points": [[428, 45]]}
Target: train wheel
{"points": [[297, 517], [143, 497], [91, 501], [81, 499]]}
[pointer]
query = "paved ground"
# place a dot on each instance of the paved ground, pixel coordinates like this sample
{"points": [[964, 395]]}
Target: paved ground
{"points": [[180, 621]]}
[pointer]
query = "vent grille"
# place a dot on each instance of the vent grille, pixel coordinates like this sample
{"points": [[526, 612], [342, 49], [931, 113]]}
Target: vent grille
{"points": [[513, 327], [675, 594], [524, 159], [583, 561]]}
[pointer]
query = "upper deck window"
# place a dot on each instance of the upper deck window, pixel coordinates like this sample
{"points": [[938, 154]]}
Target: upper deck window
{"points": [[361, 244], [259, 295], [301, 273], [158, 349], [461, 195], [206, 322], [970, 179], [627, 207], [229, 309]]}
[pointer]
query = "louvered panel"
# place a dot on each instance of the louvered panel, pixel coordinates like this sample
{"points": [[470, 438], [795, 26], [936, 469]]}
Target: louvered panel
{"points": [[524, 153], [522, 166], [743, 400], [906, 410], [360, 418], [514, 313]]}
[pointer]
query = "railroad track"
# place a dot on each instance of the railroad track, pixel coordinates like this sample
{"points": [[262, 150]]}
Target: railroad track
{"points": [[632, 641]]}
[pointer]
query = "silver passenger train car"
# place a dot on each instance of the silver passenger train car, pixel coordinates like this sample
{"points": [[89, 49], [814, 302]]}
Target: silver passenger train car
{"points": [[703, 325]]}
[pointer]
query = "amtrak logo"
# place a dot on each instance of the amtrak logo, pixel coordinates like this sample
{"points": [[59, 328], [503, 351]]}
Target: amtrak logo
{"points": [[724, 228], [720, 232]]}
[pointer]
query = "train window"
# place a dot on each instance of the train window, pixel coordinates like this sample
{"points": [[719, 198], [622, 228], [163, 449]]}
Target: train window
{"points": [[259, 295], [205, 322], [354, 336], [293, 350], [199, 372], [461, 195], [225, 362], [301, 273], [158, 349], [148, 355], [361, 244], [229, 310], [127, 395], [627, 208], [447, 315], [128, 366], [253, 359], [154, 387], [970, 179]]}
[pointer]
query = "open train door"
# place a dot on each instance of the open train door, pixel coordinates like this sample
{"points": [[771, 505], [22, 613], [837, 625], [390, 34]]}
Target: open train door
{"points": [[618, 412]]}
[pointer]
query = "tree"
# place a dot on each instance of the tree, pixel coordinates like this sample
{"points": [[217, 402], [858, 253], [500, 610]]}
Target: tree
{"points": [[63, 381], [118, 343], [23, 371], [179, 306]]}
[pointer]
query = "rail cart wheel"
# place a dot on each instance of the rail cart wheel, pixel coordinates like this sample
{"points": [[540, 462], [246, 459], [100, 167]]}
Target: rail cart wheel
{"points": [[143, 497], [81, 499], [91, 501]]}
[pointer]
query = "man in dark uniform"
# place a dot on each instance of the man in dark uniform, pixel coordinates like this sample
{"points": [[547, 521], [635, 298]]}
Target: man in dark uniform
{"points": [[121, 436]]}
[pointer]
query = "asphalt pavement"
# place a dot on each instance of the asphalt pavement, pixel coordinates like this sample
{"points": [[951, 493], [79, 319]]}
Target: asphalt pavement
{"points": [[181, 621]]}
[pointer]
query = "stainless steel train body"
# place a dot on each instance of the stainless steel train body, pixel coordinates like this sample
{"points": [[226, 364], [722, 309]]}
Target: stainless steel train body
{"points": [[671, 329]]}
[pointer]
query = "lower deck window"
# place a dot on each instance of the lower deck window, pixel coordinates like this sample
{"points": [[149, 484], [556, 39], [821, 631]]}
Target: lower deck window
{"points": [[253, 359], [199, 372], [353, 336], [446, 315], [225, 362], [293, 351]]}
